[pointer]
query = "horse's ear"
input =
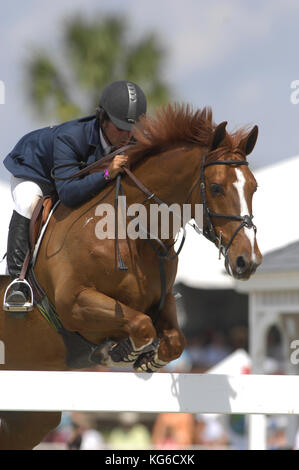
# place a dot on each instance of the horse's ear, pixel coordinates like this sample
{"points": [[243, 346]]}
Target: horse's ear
{"points": [[248, 143], [219, 135]]}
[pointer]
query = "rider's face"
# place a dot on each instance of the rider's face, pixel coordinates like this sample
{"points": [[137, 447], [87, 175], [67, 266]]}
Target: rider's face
{"points": [[117, 137]]}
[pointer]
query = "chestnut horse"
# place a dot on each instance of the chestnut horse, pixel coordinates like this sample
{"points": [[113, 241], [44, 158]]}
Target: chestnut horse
{"points": [[183, 157]]}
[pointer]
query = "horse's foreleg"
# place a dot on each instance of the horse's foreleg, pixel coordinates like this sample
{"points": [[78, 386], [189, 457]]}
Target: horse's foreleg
{"points": [[98, 317], [172, 340], [25, 430]]}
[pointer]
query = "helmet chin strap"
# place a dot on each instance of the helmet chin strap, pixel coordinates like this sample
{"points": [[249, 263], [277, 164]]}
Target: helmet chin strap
{"points": [[101, 128], [108, 142], [99, 116]]}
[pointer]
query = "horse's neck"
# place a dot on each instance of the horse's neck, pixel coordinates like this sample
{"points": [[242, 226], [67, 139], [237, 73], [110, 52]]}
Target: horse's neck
{"points": [[169, 176]]}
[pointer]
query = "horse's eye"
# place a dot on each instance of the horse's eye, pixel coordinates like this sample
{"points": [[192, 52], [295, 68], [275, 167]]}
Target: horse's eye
{"points": [[216, 189]]}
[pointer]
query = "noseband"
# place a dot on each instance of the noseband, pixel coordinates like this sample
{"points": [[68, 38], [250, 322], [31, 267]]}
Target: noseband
{"points": [[209, 231]]}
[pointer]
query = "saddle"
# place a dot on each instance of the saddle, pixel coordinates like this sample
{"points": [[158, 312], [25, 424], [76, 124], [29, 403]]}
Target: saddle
{"points": [[39, 217], [38, 221], [80, 353]]}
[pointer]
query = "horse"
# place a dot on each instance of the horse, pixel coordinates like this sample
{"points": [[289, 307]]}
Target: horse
{"points": [[116, 293]]}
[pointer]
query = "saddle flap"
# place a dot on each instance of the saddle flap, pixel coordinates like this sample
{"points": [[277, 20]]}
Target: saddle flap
{"points": [[39, 218]]}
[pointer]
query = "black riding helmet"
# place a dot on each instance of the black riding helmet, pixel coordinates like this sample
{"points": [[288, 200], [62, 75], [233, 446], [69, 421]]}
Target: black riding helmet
{"points": [[124, 102]]}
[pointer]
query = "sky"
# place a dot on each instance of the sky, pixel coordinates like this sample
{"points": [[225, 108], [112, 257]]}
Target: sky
{"points": [[237, 56]]}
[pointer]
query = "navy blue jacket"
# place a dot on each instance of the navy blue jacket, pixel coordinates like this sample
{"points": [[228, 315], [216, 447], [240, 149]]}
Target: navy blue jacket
{"points": [[38, 152]]}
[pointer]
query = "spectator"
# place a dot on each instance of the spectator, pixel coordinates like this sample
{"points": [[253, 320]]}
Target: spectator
{"points": [[174, 431], [85, 436], [197, 352], [130, 434], [217, 350], [210, 431]]}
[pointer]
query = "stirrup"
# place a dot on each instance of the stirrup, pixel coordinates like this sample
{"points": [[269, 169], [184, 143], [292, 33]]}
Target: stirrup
{"points": [[26, 307]]}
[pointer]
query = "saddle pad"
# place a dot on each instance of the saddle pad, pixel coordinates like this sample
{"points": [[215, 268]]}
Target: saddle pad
{"points": [[44, 227]]}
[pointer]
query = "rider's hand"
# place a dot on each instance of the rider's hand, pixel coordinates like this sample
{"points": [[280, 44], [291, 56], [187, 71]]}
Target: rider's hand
{"points": [[117, 164]]}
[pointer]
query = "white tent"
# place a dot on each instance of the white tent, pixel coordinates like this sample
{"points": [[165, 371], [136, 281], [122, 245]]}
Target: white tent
{"points": [[275, 215]]}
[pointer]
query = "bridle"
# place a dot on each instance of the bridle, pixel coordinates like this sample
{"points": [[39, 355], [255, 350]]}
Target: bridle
{"points": [[209, 230]]}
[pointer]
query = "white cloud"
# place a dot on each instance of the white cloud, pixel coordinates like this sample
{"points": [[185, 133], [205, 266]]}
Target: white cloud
{"points": [[199, 36]]}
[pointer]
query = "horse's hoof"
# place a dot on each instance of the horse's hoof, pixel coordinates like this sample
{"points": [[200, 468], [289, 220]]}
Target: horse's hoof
{"points": [[124, 352], [149, 362]]}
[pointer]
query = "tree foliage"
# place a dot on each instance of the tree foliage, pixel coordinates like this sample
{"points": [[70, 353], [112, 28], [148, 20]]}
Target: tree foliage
{"points": [[93, 53]]}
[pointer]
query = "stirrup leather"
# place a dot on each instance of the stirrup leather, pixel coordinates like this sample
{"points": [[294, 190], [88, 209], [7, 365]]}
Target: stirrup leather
{"points": [[26, 307]]}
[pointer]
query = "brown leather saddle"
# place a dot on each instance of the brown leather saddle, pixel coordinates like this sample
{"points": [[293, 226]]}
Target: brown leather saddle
{"points": [[38, 219]]}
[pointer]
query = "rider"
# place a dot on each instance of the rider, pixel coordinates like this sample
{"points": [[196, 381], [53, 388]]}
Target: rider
{"points": [[86, 139]]}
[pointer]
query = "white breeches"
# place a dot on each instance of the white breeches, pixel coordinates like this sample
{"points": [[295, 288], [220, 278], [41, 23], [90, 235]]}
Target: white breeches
{"points": [[25, 195]]}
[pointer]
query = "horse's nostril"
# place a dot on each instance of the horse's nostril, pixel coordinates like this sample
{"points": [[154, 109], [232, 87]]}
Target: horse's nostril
{"points": [[241, 263]]}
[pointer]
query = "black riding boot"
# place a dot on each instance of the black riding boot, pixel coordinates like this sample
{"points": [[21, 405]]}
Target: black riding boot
{"points": [[17, 247]]}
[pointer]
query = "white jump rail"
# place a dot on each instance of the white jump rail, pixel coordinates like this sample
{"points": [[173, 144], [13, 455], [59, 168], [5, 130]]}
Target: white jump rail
{"points": [[153, 393]]}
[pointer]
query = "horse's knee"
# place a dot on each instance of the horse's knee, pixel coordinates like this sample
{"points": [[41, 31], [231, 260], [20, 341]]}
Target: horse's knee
{"points": [[171, 346], [142, 331]]}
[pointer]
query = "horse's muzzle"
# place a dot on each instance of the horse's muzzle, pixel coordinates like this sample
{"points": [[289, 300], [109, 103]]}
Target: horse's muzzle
{"points": [[241, 267]]}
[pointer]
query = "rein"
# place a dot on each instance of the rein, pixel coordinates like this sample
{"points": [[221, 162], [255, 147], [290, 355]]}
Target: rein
{"points": [[164, 255], [209, 231], [85, 168]]}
